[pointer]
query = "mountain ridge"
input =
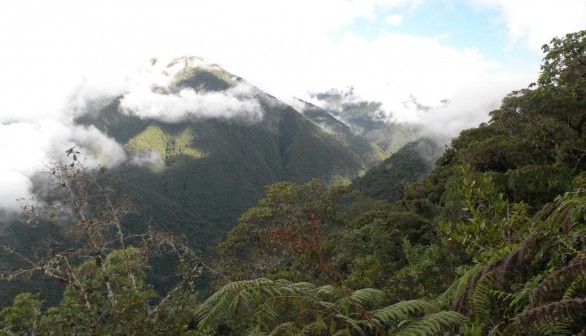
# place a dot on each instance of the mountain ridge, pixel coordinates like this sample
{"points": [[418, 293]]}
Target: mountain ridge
{"points": [[218, 166]]}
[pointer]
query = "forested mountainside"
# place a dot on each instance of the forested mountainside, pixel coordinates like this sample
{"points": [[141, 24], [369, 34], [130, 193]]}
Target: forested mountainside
{"points": [[369, 152], [215, 168], [492, 242], [390, 178], [193, 175]]}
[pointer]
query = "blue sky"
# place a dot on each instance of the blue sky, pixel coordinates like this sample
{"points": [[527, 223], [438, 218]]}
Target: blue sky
{"points": [[59, 55], [459, 25]]}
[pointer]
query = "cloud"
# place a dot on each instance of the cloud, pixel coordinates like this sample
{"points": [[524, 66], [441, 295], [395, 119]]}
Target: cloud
{"points": [[188, 103], [394, 20], [62, 57], [150, 94], [393, 67], [147, 158], [27, 146], [468, 107], [537, 22]]}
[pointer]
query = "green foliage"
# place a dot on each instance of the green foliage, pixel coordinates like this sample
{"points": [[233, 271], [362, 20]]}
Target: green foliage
{"points": [[22, 318], [285, 233], [389, 179], [564, 72], [282, 307], [103, 270], [496, 226], [433, 324], [369, 247], [424, 276], [530, 285], [487, 222]]}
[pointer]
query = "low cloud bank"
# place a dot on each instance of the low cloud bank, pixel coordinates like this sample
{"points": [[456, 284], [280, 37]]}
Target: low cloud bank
{"points": [[468, 107], [26, 147], [189, 104]]}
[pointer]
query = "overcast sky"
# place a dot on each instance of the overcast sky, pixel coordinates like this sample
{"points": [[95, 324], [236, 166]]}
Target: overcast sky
{"points": [[469, 52]]}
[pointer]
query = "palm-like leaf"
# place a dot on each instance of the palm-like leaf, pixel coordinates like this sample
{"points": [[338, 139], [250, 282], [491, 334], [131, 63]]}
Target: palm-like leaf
{"points": [[432, 324]]}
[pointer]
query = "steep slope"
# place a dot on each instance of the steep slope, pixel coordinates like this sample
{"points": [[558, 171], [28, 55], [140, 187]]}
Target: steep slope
{"points": [[411, 163], [211, 169], [367, 151], [366, 119]]}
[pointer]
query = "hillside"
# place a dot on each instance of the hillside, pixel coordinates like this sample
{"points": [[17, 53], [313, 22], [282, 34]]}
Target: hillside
{"points": [[368, 152], [389, 179], [214, 168], [366, 119], [491, 242]]}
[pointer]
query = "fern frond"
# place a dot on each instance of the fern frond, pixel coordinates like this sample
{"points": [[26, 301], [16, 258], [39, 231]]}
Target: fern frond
{"points": [[460, 303], [317, 327], [330, 293], [255, 332], [366, 296], [458, 287], [230, 298], [481, 298], [513, 268], [555, 329], [355, 324], [432, 324], [559, 280], [265, 315], [401, 311], [287, 328], [576, 285], [567, 310], [343, 332], [521, 298], [299, 286]]}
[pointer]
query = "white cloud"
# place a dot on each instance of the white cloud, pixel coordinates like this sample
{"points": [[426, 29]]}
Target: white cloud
{"points": [[536, 22], [26, 146], [149, 94], [147, 158], [467, 107], [393, 67], [51, 48], [188, 103], [394, 20]]}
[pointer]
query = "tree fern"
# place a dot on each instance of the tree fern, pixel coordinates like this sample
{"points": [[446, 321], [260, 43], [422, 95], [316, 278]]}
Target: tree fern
{"points": [[279, 307], [553, 329]]}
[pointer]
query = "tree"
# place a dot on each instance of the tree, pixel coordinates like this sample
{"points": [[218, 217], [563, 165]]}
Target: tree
{"points": [[283, 236], [103, 270]]}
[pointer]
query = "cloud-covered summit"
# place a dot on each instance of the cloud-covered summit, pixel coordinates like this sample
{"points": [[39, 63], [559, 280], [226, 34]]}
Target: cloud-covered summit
{"points": [[174, 93]]}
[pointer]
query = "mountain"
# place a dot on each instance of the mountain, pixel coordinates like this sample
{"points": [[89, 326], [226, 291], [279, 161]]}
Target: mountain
{"points": [[366, 119], [411, 163], [196, 174], [368, 152]]}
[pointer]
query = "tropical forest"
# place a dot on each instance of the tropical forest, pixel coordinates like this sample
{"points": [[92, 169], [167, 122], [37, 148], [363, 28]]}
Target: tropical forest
{"points": [[280, 228]]}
